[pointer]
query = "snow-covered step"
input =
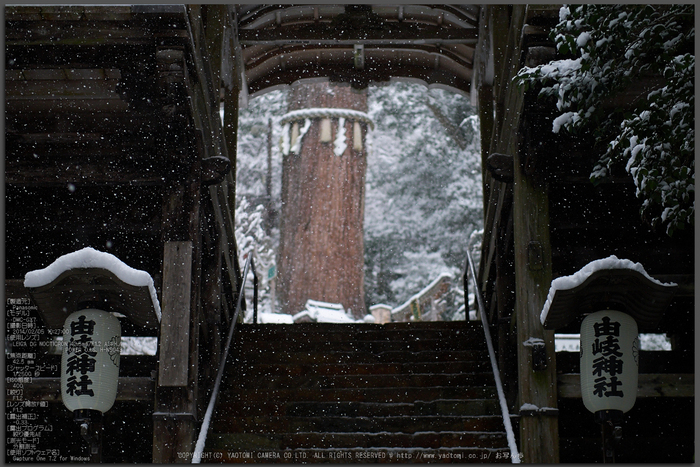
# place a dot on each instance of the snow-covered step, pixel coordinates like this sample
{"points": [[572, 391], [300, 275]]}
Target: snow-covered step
{"points": [[325, 332], [447, 407], [380, 394], [295, 370], [311, 380], [332, 356], [362, 345]]}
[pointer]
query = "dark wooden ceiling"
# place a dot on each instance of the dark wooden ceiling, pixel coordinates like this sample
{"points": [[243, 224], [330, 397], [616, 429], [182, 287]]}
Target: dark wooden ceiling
{"points": [[357, 44]]}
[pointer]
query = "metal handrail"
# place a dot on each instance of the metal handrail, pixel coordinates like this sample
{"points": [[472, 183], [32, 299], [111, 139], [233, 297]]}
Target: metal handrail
{"points": [[255, 290], [202, 438], [514, 455]]}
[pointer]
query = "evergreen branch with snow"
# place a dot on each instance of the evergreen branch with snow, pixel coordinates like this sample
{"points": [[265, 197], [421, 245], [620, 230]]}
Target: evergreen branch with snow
{"points": [[607, 49]]}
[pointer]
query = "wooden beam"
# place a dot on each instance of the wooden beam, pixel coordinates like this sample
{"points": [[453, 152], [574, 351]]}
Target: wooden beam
{"points": [[203, 91], [129, 388], [74, 13], [50, 86], [649, 385], [175, 406], [226, 229], [494, 35], [93, 24], [321, 34], [297, 55], [175, 323], [499, 23], [38, 104], [82, 32], [381, 64], [90, 172], [530, 233], [216, 23], [234, 88], [132, 125]]}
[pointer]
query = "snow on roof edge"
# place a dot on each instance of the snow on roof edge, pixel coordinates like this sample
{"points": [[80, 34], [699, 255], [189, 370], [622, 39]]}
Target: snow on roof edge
{"points": [[576, 279], [90, 258]]}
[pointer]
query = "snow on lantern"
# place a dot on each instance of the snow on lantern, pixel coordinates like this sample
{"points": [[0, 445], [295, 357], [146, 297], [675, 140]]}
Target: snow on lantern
{"points": [[84, 293], [616, 299]]}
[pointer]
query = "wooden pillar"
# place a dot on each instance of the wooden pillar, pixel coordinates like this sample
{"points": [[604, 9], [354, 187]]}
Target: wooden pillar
{"points": [[175, 405], [539, 440], [174, 414], [212, 331], [486, 125], [175, 408], [539, 435], [175, 329], [231, 73], [231, 137], [214, 20], [232, 78]]}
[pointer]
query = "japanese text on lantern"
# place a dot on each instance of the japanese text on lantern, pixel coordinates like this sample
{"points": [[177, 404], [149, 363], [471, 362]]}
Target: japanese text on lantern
{"points": [[81, 360], [608, 365]]}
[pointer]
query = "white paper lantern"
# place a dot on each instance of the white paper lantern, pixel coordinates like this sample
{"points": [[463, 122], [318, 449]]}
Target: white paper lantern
{"points": [[90, 360], [609, 361]]}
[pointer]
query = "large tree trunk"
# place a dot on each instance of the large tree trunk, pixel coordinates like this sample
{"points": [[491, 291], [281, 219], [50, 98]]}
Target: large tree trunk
{"points": [[321, 255]]}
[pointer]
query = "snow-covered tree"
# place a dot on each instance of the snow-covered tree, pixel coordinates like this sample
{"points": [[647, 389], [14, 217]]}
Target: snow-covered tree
{"points": [[423, 188], [251, 238], [251, 178], [605, 50], [251, 164]]}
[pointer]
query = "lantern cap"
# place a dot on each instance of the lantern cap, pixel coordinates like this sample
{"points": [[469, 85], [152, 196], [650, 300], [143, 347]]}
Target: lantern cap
{"points": [[96, 278], [608, 283]]}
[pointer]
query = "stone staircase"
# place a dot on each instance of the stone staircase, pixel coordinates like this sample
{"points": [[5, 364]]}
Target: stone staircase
{"points": [[347, 393]]}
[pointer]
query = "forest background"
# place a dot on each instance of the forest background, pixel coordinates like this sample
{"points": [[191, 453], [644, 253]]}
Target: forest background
{"points": [[423, 189]]}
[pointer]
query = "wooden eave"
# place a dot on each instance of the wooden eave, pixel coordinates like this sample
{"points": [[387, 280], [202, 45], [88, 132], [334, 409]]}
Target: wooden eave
{"points": [[323, 34], [66, 69], [381, 64], [431, 43], [260, 16], [87, 96]]}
